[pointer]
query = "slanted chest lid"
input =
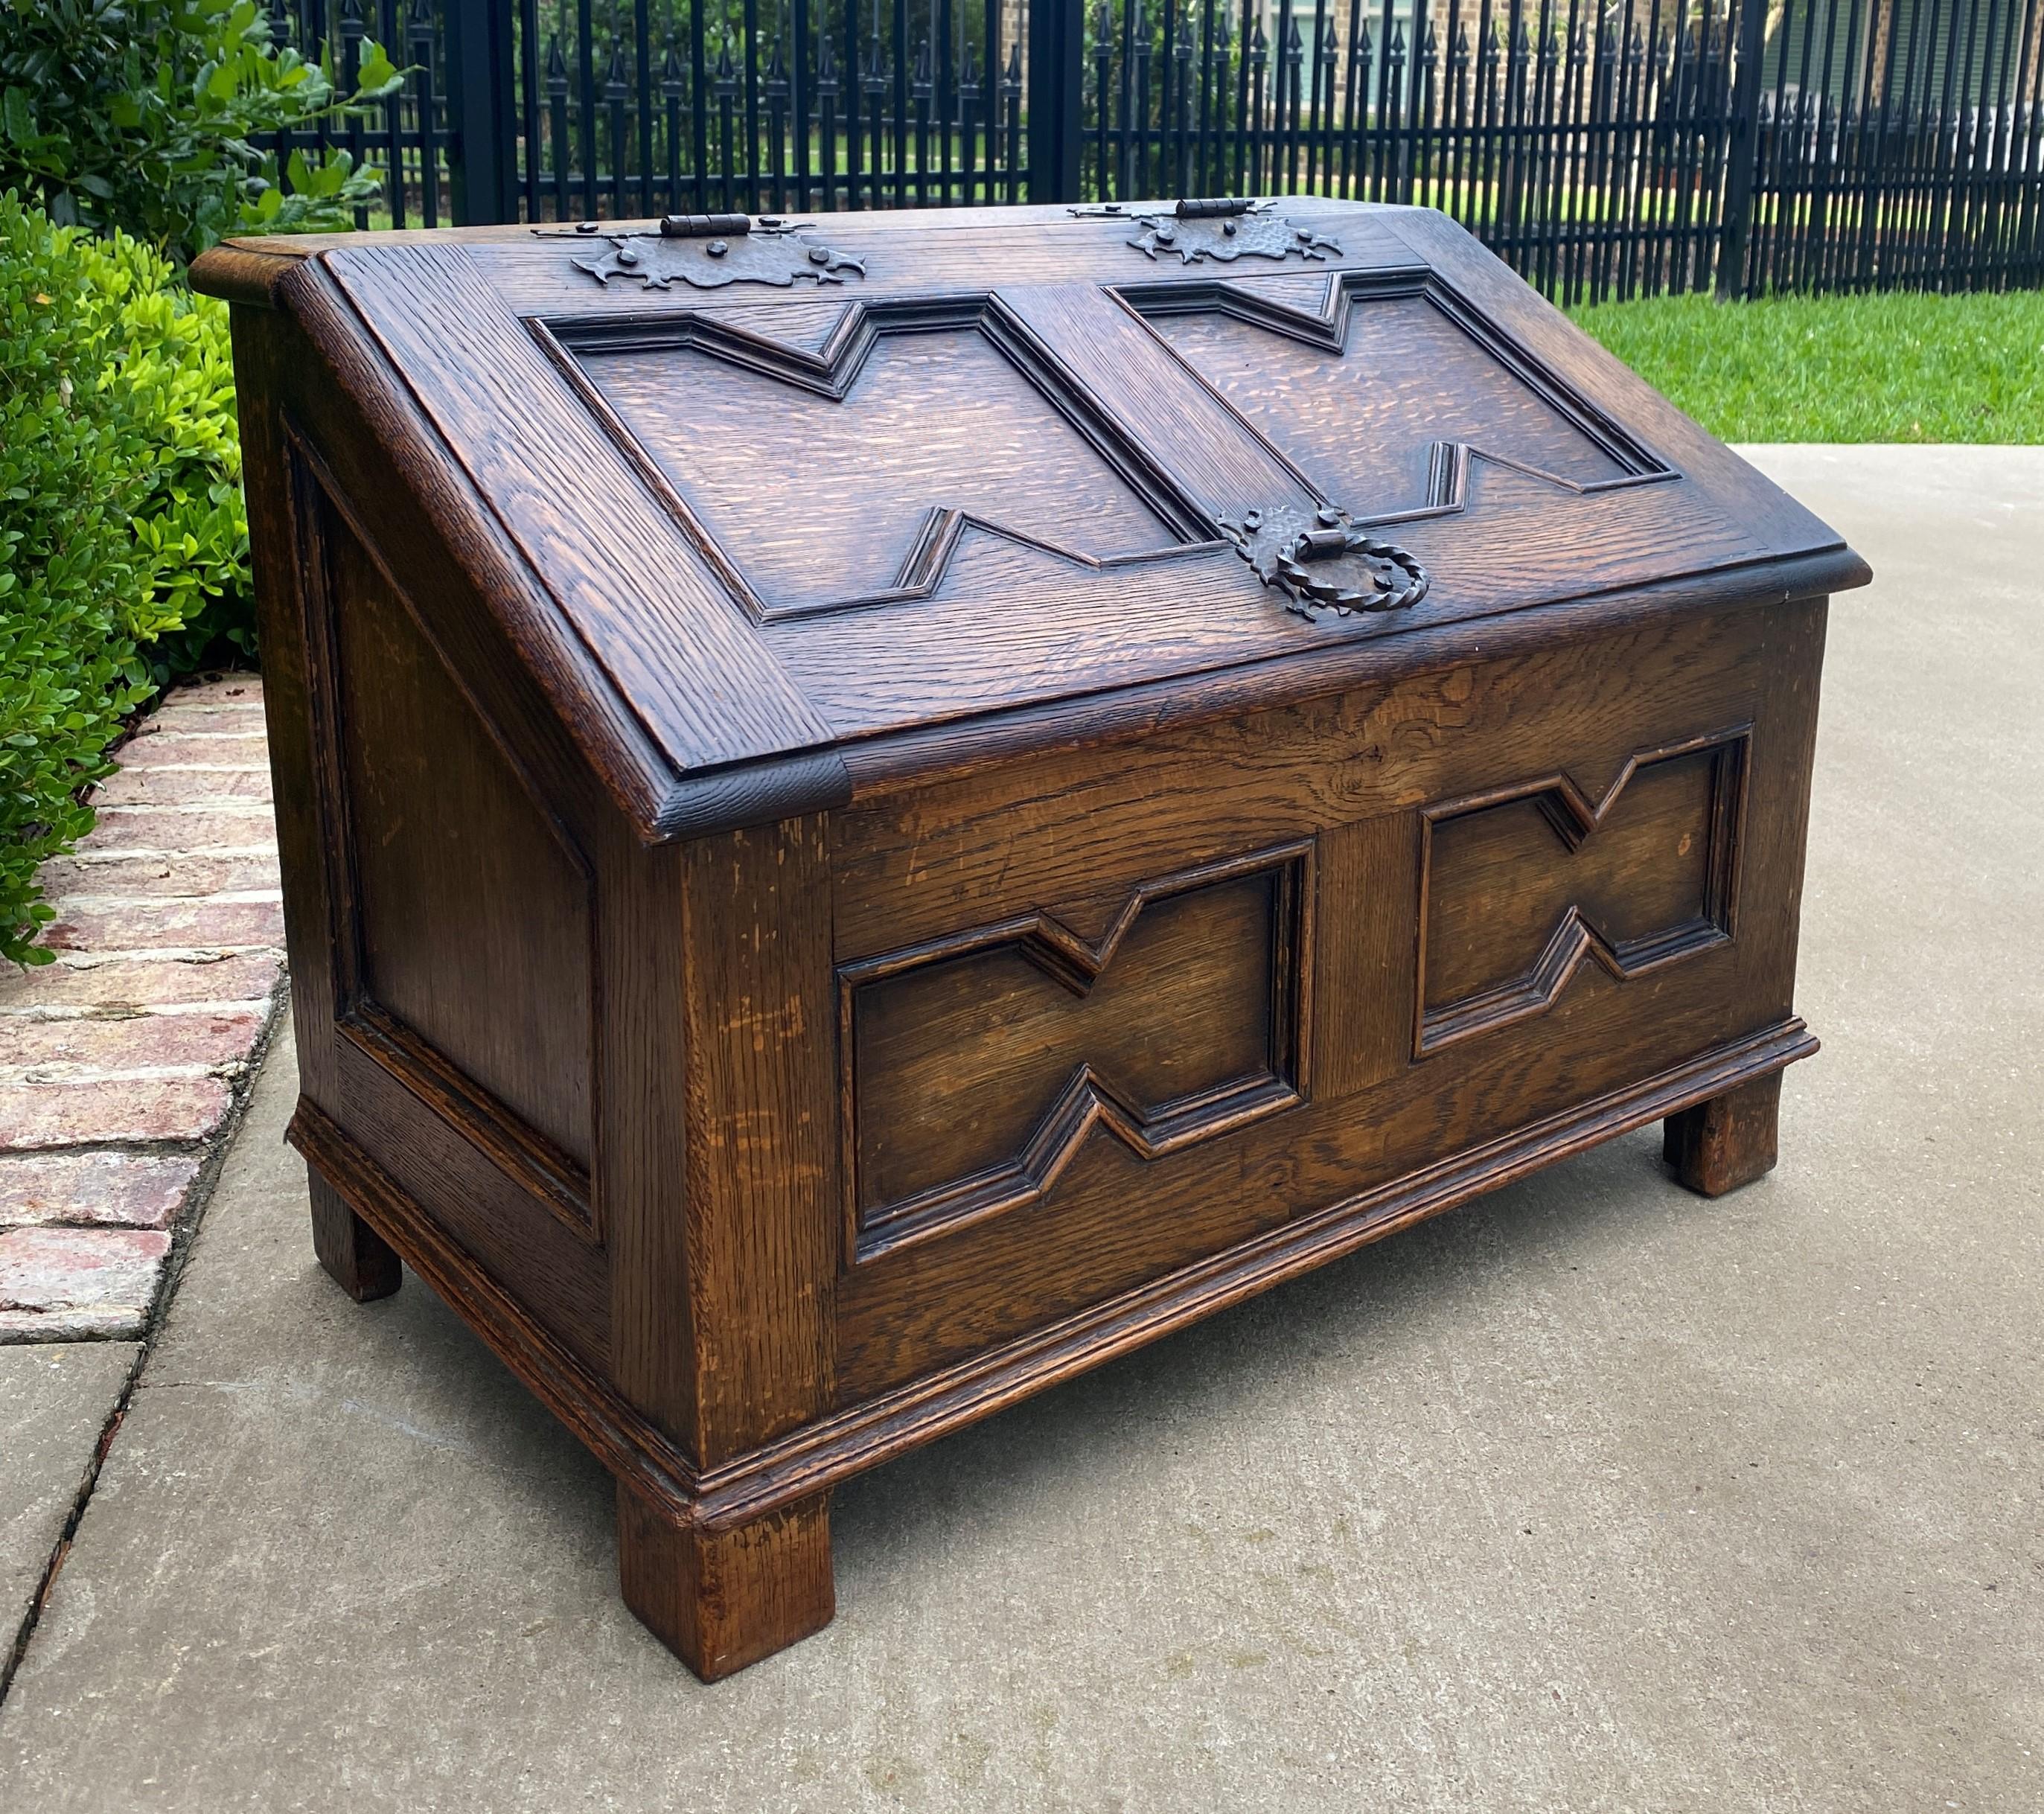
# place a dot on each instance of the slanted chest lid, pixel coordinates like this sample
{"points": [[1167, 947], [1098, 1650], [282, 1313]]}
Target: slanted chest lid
{"points": [[799, 485]]}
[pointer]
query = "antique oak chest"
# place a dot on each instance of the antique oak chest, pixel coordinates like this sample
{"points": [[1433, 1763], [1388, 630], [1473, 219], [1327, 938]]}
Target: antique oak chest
{"points": [[878, 810]]}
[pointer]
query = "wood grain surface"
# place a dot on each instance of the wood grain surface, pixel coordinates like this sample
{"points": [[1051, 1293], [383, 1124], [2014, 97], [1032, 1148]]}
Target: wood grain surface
{"points": [[1011, 452], [977, 1067], [825, 896], [1017, 835], [1520, 889], [471, 905]]}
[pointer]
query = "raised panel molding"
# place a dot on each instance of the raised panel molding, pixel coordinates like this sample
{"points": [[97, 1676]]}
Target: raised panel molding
{"points": [[1521, 884], [415, 856], [975, 1067], [1329, 313], [1131, 508]]}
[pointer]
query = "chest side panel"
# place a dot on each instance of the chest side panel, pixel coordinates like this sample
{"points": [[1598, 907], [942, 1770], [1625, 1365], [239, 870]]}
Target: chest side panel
{"points": [[471, 907], [455, 914], [1103, 1015]]}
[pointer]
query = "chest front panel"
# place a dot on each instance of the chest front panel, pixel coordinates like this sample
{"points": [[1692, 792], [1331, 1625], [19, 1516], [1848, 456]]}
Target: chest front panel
{"points": [[1104, 1014]]}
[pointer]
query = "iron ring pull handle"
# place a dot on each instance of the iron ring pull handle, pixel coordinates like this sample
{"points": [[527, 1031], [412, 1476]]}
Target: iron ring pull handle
{"points": [[1285, 551]]}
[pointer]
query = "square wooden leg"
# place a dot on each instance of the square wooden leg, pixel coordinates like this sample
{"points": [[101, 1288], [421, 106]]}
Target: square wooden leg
{"points": [[721, 1599], [357, 1258], [1728, 1141]]}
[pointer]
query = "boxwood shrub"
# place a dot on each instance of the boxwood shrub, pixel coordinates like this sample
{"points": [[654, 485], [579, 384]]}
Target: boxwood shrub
{"points": [[123, 542]]}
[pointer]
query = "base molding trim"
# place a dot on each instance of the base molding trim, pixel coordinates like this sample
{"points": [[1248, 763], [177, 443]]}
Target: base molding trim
{"points": [[816, 1457]]}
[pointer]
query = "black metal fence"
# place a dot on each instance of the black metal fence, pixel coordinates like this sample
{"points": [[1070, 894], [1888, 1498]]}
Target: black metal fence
{"points": [[1897, 146], [1602, 148]]}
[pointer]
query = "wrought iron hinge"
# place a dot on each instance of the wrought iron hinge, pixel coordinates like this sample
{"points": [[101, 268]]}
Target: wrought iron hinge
{"points": [[709, 250], [1211, 207], [1222, 228]]}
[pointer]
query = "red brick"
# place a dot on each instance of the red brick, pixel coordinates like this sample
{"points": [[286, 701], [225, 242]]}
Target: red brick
{"points": [[34, 1116], [186, 706], [151, 747], [169, 829], [245, 976], [134, 1190], [205, 720], [181, 785], [63, 1273], [129, 1041], [121, 873], [207, 924], [223, 690]]}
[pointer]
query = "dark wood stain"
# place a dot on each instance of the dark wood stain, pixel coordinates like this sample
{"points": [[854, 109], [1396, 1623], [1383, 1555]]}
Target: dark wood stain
{"points": [[472, 908], [1506, 924], [823, 897], [858, 523], [975, 1068], [1369, 415]]}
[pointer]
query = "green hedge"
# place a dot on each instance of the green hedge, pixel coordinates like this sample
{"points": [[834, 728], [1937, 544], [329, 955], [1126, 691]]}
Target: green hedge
{"points": [[123, 541], [147, 115]]}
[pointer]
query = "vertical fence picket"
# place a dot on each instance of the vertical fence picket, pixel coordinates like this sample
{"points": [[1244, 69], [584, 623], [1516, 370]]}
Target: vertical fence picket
{"points": [[421, 44], [584, 75], [1573, 201], [352, 31], [990, 63], [1165, 77], [1284, 115], [1540, 147], [1986, 221], [1011, 101], [2023, 184], [775, 90], [392, 149], [616, 91], [1654, 255], [801, 99], [923, 89], [1489, 52], [946, 104], [557, 127], [872, 90], [1463, 112], [1819, 161]]}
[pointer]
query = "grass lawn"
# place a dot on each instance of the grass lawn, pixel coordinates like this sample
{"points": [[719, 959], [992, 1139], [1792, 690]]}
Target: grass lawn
{"points": [[1889, 367]]}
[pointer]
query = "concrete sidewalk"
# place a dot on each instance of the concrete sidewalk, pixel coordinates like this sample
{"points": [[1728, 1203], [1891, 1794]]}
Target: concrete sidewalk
{"points": [[1592, 1496]]}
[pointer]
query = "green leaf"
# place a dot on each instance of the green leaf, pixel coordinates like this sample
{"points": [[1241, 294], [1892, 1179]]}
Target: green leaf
{"points": [[376, 77]]}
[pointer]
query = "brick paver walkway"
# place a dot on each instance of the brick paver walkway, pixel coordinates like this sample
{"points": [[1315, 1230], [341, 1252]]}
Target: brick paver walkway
{"points": [[121, 1063]]}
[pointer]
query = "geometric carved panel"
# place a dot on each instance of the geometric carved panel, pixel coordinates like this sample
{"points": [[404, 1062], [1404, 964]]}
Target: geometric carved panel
{"points": [[1364, 419], [900, 449], [1521, 885], [977, 1065]]}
